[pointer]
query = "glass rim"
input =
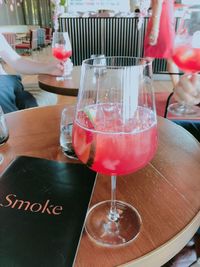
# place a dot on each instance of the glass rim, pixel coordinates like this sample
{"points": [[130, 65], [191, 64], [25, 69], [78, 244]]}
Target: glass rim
{"points": [[140, 59], [192, 8]]}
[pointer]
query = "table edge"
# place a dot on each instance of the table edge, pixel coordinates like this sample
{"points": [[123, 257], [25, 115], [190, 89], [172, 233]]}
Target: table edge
{"points": [[58, 90], [168, 250]]}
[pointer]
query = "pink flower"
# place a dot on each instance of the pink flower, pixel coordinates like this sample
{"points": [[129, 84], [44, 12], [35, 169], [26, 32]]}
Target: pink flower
{"points": [[56, 13]]}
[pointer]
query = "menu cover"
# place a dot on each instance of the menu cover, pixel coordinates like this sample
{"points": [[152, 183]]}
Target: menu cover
{"points": [[43, 206]]}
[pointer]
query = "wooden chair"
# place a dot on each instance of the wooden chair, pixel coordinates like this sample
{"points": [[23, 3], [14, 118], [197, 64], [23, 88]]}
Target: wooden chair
{"points": [[30, 45], [167, 104], [48, 35], [41, 37], [171, 94], [11, 38]]}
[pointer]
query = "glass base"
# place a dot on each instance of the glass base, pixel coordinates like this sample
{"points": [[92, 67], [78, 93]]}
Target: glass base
{"points": [[63, 78], [70, 154], [68, 151], [183, 110], [113, 233]]}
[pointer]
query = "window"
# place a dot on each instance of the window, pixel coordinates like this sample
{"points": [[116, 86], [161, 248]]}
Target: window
{"points": [[94, 5], [190, 2], [37, 12]]}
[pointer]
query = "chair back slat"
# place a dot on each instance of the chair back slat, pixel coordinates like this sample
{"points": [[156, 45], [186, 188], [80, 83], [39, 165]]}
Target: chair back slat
{"points": [[34, 39], [11, 38]]}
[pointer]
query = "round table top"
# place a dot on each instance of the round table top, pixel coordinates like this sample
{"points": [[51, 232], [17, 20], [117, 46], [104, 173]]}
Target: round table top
{"points": [[67, 87], [166, 192]]}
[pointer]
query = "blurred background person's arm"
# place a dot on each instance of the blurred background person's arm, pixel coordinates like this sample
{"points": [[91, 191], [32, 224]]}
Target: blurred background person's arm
{"points": [[27, 66], [187, 90]]}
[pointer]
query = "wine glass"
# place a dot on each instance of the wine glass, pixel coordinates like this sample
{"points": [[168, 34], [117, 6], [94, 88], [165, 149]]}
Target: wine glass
{"points": [[62, 50], [4, 133], [115, 133], [186, 54]]}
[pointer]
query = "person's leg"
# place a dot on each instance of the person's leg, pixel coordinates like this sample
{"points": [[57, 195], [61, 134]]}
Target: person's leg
{"points": [[172, 68], [193, 126], [7, 93], [24, 99], [12, 94]]}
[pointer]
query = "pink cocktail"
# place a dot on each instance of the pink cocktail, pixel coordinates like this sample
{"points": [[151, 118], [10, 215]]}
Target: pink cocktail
{"points": [[62, 50], [114, 134], [186, 55], [61, 53], [187, 58], [107, 149]]}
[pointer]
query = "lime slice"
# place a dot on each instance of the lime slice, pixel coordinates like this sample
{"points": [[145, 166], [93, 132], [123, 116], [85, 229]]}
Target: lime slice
{"points": [[91, 114]]}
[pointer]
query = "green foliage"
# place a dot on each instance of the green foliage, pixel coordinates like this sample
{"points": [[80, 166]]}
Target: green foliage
{"points": [[62, 2]]}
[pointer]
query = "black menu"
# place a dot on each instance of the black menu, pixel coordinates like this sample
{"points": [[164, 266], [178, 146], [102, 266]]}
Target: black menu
{"points": [[43, 205]]}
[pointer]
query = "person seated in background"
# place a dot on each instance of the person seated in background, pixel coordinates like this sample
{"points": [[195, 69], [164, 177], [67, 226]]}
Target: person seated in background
{"points": [[13, 97], [187, 91]]}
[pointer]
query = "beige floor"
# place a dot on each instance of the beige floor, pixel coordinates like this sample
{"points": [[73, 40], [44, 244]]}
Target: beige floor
{"points": [[45, 55]]}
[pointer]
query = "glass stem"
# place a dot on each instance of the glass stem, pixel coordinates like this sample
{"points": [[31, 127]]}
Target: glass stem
{"points": [[113, 214]]}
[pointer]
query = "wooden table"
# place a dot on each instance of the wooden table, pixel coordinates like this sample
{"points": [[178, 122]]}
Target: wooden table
{"points": [[67, 87], [166, 192]]}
